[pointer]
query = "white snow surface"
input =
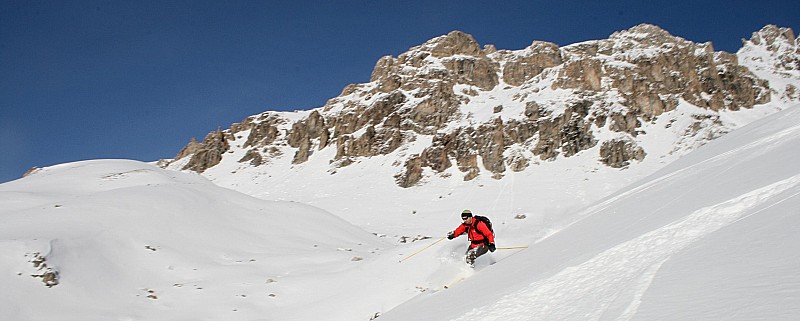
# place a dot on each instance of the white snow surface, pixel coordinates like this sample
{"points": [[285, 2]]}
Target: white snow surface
{"points": [[131, 241], [713, 235]]}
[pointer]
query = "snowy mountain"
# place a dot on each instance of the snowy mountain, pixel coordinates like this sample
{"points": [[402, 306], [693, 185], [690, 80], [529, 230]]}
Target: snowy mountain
{"points": [[714, 235], [339, 213], [449, 108]]}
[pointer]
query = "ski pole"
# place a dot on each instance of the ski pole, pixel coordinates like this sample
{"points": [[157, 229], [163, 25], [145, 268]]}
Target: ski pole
{"points": [[423, 249], [513, 247]]}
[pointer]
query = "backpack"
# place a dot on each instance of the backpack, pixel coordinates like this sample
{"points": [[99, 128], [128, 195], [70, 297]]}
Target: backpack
{"points": [[486, 221]]}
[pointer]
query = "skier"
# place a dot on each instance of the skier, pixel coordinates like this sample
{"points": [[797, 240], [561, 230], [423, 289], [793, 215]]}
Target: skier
{"points": [[479, 231]]}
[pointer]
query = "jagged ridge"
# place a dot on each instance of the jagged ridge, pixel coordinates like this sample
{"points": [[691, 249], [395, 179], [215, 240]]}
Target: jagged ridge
{"points": [[497, 110]]}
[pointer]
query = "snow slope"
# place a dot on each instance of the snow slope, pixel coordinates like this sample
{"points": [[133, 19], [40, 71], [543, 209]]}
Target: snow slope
{"points": [[131, 241], [714, 235]]}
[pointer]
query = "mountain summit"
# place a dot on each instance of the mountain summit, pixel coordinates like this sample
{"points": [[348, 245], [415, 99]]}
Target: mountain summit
{"points": [[450, 104]]}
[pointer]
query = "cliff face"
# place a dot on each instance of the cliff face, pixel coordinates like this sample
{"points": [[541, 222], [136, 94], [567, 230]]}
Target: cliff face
{"points": [[488, 111]]}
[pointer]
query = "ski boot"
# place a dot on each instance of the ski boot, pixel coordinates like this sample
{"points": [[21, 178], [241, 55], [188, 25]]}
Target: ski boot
{"points": [[471, 256]]}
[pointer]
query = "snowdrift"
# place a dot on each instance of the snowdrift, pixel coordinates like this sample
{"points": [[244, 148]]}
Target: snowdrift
{"points": [[713, 236], [115, 239]]}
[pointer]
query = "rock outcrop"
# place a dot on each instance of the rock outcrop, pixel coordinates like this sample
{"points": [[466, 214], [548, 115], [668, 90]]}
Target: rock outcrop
{"points": [[49, 275], [489, 110], [206, 154]]}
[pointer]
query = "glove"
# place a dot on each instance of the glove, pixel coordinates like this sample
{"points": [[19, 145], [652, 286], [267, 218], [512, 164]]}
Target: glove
{"points": [[450, 235], [492, 248]]}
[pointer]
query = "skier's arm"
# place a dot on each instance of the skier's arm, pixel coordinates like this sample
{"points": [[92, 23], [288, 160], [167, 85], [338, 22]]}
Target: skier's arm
{"points": [[458, 231]]}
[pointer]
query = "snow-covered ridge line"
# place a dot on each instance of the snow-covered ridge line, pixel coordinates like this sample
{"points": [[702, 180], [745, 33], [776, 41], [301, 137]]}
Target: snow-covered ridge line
{"points": [[544, 102]]}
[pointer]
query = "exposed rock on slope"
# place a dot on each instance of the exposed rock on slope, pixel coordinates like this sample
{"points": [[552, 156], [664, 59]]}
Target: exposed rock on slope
{"points": [[489, 110]]}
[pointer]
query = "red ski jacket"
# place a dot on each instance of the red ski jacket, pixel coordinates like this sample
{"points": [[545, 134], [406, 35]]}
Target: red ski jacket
{"points": [[476, 232]]}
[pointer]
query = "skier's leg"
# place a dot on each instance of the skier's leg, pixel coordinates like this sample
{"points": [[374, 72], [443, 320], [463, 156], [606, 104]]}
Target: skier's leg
{"points": [[470, 256], [474, 253], [481, 250]]}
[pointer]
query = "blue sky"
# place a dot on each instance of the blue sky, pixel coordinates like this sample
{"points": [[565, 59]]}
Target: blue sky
{"points": [[138, 79]]}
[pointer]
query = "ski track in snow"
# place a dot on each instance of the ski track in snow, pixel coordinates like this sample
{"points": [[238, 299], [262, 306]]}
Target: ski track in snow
{"points": [[611, 284], [764, 144]]}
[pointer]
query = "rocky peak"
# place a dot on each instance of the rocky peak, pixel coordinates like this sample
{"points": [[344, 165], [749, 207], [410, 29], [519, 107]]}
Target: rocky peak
{"points": [[454, 43], [496, 110], [647, 34], [772, 36], [774, 51], [643, 42], [781, 46], [654, 70]]}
